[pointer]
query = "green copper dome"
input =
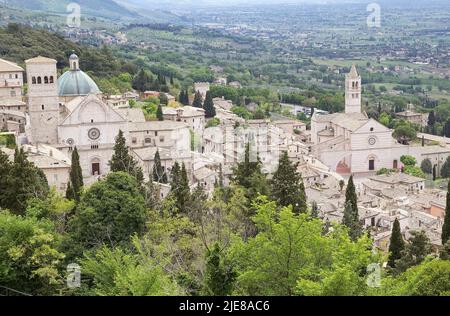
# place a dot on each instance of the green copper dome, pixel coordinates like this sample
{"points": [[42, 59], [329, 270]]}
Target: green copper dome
{"points": [[76, 83]]}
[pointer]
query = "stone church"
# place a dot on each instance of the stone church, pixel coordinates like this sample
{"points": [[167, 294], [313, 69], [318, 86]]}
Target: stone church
{"points": [[69, 112], [352, 143]]}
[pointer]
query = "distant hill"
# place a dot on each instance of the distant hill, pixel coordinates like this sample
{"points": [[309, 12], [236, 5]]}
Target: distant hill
{"points": [[18, 43], [103, 8]]}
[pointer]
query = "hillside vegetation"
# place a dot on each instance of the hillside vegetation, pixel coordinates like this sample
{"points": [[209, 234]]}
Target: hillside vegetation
{"points": [[104, 8], [19, 43]]}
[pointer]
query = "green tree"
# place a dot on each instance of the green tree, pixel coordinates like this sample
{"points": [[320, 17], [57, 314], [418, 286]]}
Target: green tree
{"points": [[286, 185], [123, 161], [431, 120], [210, 110], [314, 210], [142, 81], [408, 160], [427, 279], [24, 181], [181, 97], [385, 119], [445, 170], [396, 244], [186, 98], [404, 133], [163, 99], [180, 187], [444, 253], [426, 166], [109, 212], [248, 174], [75, 186], [446, 226], [447, 128], [159, 175], [289, 255], [416, 250], [117, 272], [5, 169], [29, 256], [159, 113], [197, 100], [351, 213], [219, 276]]}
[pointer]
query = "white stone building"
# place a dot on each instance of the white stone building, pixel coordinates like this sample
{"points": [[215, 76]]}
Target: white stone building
{"points": [[11, 80], [191, 116], [69, 112], [350, 142]]}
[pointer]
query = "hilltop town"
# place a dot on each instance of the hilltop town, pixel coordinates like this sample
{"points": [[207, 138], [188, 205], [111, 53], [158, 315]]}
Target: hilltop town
{"points": [[57, 115]]}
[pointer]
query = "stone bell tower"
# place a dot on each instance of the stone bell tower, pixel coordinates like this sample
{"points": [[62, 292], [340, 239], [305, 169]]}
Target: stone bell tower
{"points": [[353, 92], [43, 102]]}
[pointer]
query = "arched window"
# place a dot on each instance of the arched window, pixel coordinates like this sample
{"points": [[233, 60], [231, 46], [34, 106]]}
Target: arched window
{"points": [[33, 80], [39, 80], [51, 79], [353, 84], [43, 107], [46, 80]]}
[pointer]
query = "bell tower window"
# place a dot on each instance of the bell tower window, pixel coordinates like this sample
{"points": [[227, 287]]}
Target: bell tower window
{"points": [[39, 80]]}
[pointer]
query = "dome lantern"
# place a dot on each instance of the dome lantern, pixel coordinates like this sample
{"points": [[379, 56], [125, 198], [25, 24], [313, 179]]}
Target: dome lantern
{"points": [[74, 62], [75, 82]]}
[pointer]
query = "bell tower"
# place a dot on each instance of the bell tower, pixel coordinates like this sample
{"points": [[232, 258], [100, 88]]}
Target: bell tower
{"points": [[353, 92], [43, 101]]}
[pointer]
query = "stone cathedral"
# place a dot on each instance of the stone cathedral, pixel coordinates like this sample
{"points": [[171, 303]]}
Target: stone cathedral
{"points": [[350, 142], [69, 112]]}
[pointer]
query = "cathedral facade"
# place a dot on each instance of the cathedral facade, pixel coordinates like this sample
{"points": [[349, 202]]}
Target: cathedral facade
{"points": [[351, 143], [69, 112]]}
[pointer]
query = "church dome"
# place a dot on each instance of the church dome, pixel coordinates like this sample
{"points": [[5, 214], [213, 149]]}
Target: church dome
{"points": [[75, 82]]}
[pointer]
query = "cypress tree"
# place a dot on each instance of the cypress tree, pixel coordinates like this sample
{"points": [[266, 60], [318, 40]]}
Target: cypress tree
{"points": [[174, 177], [350, 193], [75, 186], [181, 97], [221, 183], [397, 244], [183, 193], [210, 110], [431, 120], [446, 227], [444, 253], [24, 181], [158, 173], [159, 113], [287, 185], [351, 214], [197, 100], [5, 169], [314, 210], [123, 161], [447, 128], [163, 99]]}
